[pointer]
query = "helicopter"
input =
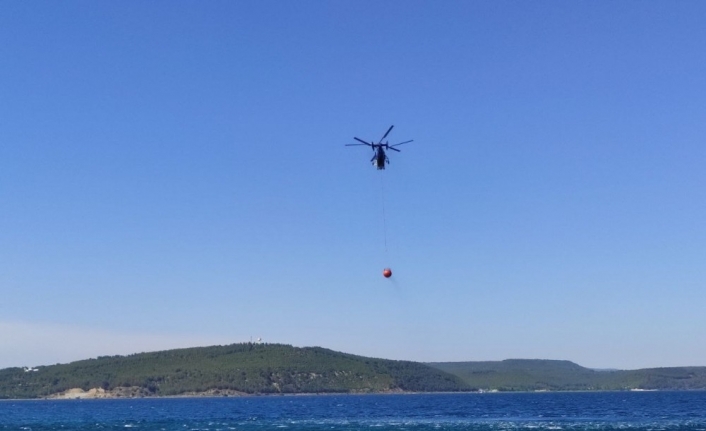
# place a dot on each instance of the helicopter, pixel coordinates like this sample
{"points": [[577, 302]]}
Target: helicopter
{"points": [[380, 158]]}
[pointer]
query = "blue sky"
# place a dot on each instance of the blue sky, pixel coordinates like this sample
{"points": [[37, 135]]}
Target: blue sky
{"points": [[174, 174]]}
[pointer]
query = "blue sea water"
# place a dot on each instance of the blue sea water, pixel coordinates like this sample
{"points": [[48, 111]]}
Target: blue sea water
{"points": [[415, 412]]}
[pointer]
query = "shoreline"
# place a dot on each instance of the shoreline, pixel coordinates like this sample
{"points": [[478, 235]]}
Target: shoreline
{"points": [[68, 397]]}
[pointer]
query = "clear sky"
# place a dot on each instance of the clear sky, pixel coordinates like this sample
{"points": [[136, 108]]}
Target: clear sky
{"points": [[173, 173]]}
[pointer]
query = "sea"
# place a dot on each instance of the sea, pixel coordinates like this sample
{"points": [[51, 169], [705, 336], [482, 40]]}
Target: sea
{"points": [[658, 411]]}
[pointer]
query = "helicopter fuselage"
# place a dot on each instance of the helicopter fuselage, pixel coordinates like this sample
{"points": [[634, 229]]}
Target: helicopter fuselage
{"points": [[380, 158]]}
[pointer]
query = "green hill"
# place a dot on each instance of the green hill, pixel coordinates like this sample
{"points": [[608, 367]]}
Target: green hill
{"points": [[535, 374], [247, 368], [281, 369]]}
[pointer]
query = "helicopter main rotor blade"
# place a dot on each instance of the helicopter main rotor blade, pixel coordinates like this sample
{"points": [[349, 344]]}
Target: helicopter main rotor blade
{"points": [[393, 149], [360, 140], [386, 133], [405, 142], [353, 145]]}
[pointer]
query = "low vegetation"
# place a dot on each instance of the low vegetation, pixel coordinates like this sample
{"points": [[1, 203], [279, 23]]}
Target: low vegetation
{"points": [[281, 369], [246, 368]]}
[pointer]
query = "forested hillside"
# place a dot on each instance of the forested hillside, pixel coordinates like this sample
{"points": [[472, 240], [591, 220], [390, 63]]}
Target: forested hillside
{"points": [[532, 375], [281, 369], [248, 368]]}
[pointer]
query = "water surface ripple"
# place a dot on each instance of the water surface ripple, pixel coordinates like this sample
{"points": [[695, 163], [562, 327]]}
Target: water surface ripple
{"points": [[648, 411]]}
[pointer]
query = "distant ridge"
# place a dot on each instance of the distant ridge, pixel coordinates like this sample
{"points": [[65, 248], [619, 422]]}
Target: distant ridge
{"points": [[251, 369], [554, 375]]}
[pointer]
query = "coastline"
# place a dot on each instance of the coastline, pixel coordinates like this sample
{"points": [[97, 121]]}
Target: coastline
{"points": [[141, 393]]}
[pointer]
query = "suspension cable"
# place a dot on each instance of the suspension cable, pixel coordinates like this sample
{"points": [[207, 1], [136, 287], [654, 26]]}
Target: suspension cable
{"points": [[384, 218]]}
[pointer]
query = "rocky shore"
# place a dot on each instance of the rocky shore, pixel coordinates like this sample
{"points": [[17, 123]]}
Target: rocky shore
{"points": [[134, 392]]}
